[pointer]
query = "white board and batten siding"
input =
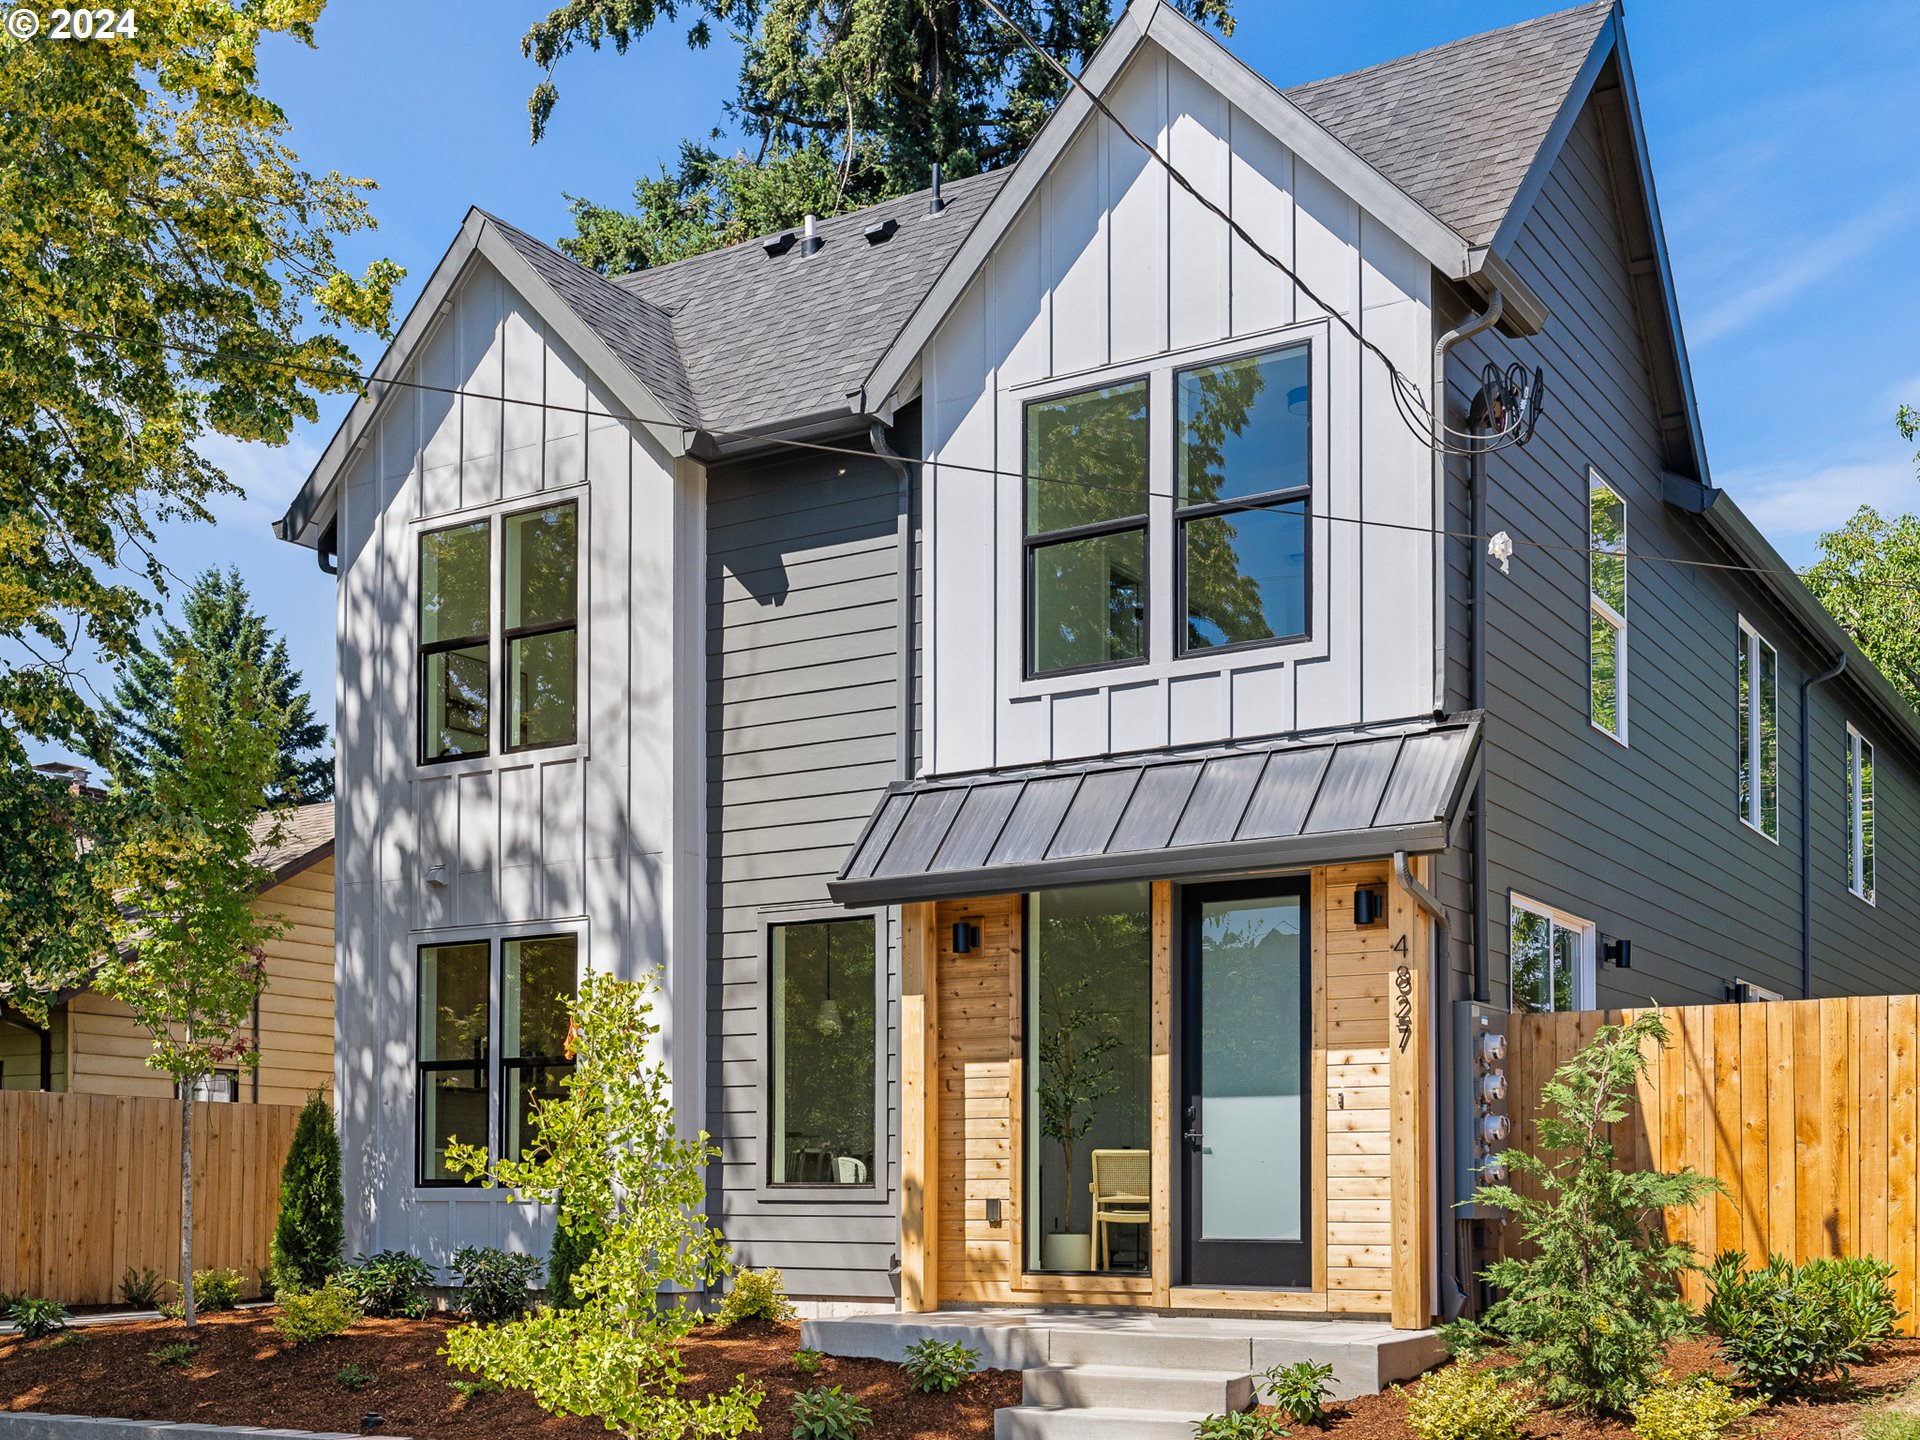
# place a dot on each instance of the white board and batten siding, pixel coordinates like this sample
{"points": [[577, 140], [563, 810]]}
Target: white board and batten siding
{"points": [[600, 838], [1108, 275]]}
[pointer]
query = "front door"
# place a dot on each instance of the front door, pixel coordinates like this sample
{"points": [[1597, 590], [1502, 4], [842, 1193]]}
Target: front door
{"points": [[1246, 1012]]}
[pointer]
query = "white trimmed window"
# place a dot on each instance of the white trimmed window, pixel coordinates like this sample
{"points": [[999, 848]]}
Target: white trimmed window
{"points": [[1550, 958], [1607, 607], [1860, 815], [1759, 733]]}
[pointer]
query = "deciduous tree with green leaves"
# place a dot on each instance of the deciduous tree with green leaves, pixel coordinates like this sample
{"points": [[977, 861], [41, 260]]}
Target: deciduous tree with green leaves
{"points": [[840, 103], [609, 1155], [167, 273], [55, 842], [188, 941], [1588, 1313], [1868, 577], [222, 625]]}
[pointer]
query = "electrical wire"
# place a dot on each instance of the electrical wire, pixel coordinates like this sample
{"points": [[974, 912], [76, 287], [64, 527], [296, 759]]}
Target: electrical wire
{"points": [[1409, 400], [852, 452]]}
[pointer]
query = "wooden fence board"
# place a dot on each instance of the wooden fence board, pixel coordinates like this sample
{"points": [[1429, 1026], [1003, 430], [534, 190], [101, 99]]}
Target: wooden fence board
{"points": [[90, 1186], [1806, 1111]]}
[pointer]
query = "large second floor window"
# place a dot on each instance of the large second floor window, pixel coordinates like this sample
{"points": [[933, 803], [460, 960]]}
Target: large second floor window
{"points": [[1606, 607], [1860, 815], [1244, 487], [1086, 527], [1759, 733], [539, 559]]}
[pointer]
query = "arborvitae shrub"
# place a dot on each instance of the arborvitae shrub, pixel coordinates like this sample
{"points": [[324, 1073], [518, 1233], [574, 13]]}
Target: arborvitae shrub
{"points": [[570, 1250], [311, 1229]]}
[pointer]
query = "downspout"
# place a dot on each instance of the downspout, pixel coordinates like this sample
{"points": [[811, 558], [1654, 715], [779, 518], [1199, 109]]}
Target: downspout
{"points": [[1832, 672], [1454, 1300], [46, 1054], [1477, 614], [903, 657]]}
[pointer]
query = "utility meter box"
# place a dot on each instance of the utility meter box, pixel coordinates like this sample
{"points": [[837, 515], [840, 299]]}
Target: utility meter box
{"points": [[1482, 1117]]}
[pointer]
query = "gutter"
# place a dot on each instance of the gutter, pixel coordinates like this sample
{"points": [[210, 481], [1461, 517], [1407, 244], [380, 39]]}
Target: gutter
{"points": [[1454, 1300], [1832, 672]]}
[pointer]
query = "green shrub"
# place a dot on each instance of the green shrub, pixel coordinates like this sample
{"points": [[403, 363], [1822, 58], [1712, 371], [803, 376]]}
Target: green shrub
{"points": [[310, 1315], [352, 1377], [391, 1284], [829, 1414], [571, 1248], [1697, 1408], [756, 1295], [494, 1284], [1465, 1403], [1786, 1328], [939, 1366], [312, 1223], [1589, 1313], [809, 1362], [1299, 1391], [473, 1389], [1238, 1425], [36, 1318], [216, 1290], [142, 1289], [178, 1353]]}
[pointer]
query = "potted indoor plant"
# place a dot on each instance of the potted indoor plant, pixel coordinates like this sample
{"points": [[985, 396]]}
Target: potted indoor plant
{"points": [[1075, 1075]]}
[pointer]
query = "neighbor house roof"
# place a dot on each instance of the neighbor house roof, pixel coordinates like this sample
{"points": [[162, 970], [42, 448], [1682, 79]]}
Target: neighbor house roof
{"points": [[293, 838]]}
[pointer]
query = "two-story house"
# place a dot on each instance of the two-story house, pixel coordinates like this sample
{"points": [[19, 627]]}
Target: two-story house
{"points": [[1032, 667]]}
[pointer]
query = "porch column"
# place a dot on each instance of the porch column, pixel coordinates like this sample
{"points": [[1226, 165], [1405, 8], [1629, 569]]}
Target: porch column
{"points": [[919, 1112], [1410, 1079]]}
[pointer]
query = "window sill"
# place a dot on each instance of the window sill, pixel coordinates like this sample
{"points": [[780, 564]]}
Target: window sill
{"points": [[500, 759], [821, 1194], [1620, 740], [1751, 828]]}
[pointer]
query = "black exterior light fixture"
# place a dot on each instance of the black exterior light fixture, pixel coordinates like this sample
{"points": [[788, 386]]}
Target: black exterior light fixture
{"points": [[966, 937], [1616, 952], [1369, 906]]}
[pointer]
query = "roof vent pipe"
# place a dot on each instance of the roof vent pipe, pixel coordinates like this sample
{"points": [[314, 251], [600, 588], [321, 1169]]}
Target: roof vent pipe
{"points": [[936, 202], [810, 241]]}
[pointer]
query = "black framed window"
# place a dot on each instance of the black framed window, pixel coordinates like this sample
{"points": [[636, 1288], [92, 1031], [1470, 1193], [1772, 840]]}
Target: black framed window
{"points": [[1086, 529], [822, 1052], [540, 978], [455, 621], [540, 625], [1244, 499], [455, 1018]]}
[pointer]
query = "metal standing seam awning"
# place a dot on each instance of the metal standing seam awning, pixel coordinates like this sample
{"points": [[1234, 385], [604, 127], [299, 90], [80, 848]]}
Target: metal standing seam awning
{"points": [[1264, 806]]}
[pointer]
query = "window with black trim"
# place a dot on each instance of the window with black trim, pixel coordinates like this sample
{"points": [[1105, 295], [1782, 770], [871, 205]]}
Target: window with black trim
{"points": [[540, 552], [1086, 529], [540, 978], [456, 1011], [455, 624], [822, 1047], [1243, 501]]}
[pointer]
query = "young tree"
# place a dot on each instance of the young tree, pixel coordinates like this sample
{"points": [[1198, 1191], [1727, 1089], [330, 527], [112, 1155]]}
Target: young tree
{"points": [[311, 1226], [1868, 577], [609, 1156], [840, 104], [1588, 1314], [189, 960], [54, 843], [161, 254], [223, 626]]}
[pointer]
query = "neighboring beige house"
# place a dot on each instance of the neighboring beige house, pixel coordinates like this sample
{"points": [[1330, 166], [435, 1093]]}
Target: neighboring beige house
{"points": [[92, 1046]]}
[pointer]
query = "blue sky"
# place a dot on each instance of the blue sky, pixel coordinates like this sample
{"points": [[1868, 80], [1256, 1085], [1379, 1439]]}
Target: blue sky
{"points": [[1783, 138]]}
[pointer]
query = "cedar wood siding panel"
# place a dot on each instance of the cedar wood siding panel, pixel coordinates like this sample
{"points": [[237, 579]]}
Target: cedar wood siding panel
{"points": [[1646, 841], [802, 594]]}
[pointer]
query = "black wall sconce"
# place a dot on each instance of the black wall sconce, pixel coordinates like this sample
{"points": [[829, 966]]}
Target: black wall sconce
{"points": [[1617, 952], [966, 937], [1369, 907]]}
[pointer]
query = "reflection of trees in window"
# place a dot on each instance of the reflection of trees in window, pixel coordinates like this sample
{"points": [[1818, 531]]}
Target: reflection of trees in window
{"points": [[823, 1045], [539, 984], [1245, 477], [1859, 814], [1086, 526], [541, 557], [454, 1016], [1542, 955], [455, 618], [1607, 605], [1251, 953], [1759, 733]]}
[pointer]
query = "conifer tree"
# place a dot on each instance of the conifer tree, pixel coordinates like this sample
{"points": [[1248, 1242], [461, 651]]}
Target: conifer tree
{"points": [[224, 629], [311, 1229]]}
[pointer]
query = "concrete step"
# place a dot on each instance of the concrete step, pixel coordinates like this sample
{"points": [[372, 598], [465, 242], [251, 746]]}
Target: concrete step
{"points": [[1156, 1349], [1050, 1422], [1128, 1387]]}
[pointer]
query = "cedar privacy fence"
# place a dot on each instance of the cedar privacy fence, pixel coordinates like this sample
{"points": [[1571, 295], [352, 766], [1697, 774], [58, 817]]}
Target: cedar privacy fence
{"points": [[1805, 1110], [90, 1185]]}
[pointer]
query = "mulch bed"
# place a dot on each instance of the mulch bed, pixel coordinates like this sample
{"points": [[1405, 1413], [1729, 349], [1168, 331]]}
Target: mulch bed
{"points": [[243, 1373], [1821, 1417]]}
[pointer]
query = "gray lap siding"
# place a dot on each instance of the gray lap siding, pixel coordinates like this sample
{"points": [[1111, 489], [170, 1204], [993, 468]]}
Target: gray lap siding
{"points": [[802, 594]]}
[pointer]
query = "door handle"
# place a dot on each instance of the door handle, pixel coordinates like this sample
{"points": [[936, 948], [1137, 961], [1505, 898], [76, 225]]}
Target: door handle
{"points": [[1192, 1136]]}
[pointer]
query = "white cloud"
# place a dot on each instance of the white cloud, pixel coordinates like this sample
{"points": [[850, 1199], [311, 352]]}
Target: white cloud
{"points": [[269, 476], [1794, 505], [1808, 261]]}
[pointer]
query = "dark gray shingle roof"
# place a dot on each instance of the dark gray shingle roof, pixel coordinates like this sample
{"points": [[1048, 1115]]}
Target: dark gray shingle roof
{"points": [[1457, 127], [303, 831]]}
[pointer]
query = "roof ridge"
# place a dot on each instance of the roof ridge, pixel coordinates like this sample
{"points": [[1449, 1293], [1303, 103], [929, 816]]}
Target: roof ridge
{"points": [[1589, 6]]}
